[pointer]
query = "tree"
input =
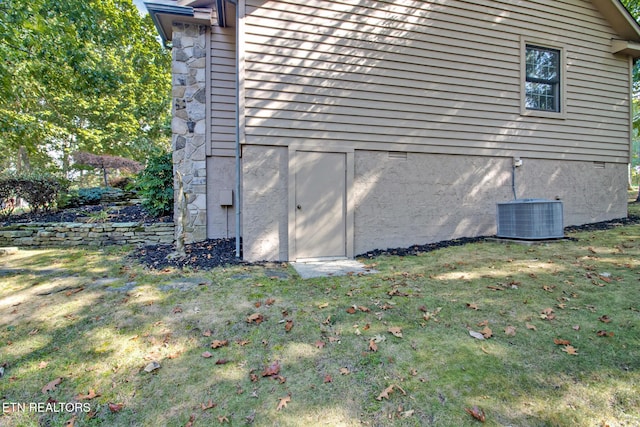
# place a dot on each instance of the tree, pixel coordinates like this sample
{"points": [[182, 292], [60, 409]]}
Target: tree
{"points": [[106, 162], [80, 75]]}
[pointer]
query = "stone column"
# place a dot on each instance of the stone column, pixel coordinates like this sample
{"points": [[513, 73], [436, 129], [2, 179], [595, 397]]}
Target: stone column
{"points": [[189, 130]]}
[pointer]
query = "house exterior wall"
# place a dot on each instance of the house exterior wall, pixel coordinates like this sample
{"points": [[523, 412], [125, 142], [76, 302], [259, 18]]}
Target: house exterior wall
{"points": [[426, 76], [432, 197], [221, 220], [189, 128], [265, 203]]}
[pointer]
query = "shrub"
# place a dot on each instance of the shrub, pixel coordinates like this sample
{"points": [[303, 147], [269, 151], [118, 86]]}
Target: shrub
{"points": [[40, 191], [155, 185]]}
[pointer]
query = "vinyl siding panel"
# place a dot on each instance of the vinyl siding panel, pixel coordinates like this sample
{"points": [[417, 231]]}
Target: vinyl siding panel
{"points": [[430, 76], [223, 91]]}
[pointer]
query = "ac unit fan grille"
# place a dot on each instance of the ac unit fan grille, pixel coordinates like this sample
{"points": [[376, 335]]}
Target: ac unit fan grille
{"points": [[530, 219]]}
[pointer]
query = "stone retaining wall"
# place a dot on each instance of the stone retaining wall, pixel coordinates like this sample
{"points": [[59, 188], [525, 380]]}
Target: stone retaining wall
{"points": [[78, 234]]}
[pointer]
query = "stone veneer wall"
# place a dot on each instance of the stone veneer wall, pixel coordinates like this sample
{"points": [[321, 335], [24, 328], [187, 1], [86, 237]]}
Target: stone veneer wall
{"points": [[189, 130], [77, 234]]}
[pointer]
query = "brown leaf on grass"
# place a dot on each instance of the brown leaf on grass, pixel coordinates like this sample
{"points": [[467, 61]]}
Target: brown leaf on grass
{"points": [[288, 325], [283, 402], [116, 407], [33, 332], [206, 355], [495, 288], [327, 379], [547, 314], [604, 334], [272, 369], [320, 344], [351, 310], [486, 332], [91, 395], [363, 309], [280, 379], [531, 327], [270, 301], [559, 341], [223, 419], [323, 305], [222, 362], [207, 333], [254, 378], [396, 331], [373, 346], [473, 306], [256, 318], [344, 371], [385, 393], [570, 350], [208, 405], [219, 343], [177, 310], [576, 327], [242, 343], [43, 365], [604, 319], [257, 304], [74, 291], [71, 422], [189, 423], [51, 385], [476, 413], [483, 323], [548, 288], [510, 331]]}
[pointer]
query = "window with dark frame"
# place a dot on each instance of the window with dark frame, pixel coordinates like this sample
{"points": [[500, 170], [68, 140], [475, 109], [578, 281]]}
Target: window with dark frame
{"points": [[542, 84]]}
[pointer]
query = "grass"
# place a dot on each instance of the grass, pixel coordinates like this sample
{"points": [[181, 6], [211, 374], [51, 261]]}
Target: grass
{"points": [[96, 320]]}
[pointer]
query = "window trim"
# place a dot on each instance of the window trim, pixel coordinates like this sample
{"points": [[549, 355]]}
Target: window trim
{"points": [[562, 114]]}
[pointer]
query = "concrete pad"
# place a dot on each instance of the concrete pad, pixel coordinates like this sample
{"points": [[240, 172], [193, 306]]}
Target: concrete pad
{"points": [[343, 267]]}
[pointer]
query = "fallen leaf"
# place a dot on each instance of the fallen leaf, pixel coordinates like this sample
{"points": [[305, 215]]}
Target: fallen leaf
{"points": [[71, 422], [242, 343], [531, 327], [604, 334], [206, 354], [576, 327], [320, 344], [363, 309], [218, 343], [209, 405], [280, 379], [327, 379], [91, 395], [257, 304], [373, 346], [344, 371], [486, 332], [222, 362], [43, 365], [570, 350], [272, 369], [256, 318], [270, 301], [33, 332], [283, 402], [207, 333], [510, 331], [385, 393], [351, 310], [288, 325], [177, 310], [116, 407], [323, 305], [558, 341], [473, 306], [483, 323], [396, 331], [548, 288], [604, 319], [223, 419], [407, 414], [50, 386], [189, 423], [476, 413]]}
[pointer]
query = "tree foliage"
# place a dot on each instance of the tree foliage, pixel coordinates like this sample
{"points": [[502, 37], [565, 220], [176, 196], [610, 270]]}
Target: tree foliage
{"points": [[106, 162], [81, 75]]}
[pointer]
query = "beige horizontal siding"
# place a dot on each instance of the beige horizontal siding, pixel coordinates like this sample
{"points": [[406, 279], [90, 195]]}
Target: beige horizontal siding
{"points": [[432, 76], [223, 92]]}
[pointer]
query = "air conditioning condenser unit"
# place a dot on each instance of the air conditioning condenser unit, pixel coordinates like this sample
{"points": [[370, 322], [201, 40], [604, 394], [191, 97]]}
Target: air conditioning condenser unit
{"points": [[530, 219]]}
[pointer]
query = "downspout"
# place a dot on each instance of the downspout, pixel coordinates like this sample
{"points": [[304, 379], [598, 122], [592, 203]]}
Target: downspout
{"points": [[238, 167]]}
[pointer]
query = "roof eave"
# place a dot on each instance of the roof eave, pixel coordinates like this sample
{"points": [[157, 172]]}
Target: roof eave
{"points": [[164, 14], [620, 19]]}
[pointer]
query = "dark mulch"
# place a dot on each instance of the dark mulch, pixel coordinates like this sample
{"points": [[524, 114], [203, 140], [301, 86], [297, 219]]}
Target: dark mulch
{"points": [[134, 213]]}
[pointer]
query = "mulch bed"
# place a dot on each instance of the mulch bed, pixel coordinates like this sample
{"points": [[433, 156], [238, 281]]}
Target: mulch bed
{"points": [[133, 213], [220, 252]]}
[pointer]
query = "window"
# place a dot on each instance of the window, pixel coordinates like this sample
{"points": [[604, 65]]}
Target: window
{"points": [[542, 79]]}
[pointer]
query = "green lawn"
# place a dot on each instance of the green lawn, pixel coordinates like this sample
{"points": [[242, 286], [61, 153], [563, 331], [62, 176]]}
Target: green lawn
{"points": [[394, 348]]}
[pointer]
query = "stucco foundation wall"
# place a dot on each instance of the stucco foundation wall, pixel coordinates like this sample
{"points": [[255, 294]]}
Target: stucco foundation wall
{"points": [[221, 220], [265, 203], [430, 197]]}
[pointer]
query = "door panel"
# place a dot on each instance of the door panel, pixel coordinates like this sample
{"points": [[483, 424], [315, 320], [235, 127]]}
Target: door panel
{"points": [[320, 220]]}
